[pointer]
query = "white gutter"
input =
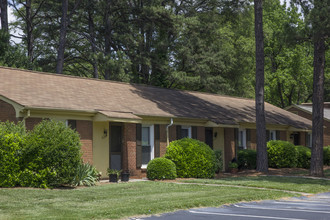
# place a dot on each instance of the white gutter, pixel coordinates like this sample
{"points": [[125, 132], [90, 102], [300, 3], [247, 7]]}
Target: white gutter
{"points": [[167, 135]]}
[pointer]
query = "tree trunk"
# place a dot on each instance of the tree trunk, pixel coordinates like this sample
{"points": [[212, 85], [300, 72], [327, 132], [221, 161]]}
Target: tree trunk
{"points": [[262, 158], [91, 28], [318, 93], [107, 39], [62, 41], [4, 15], [29, 30]]}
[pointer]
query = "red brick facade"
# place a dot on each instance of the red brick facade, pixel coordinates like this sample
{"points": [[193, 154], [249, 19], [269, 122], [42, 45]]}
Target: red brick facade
{"points": [[230, 151], [7, 112], [85, 129], [326, 124]]}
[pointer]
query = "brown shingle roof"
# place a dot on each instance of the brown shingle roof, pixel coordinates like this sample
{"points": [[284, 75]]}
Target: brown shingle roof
{"points": [[40, 90]]}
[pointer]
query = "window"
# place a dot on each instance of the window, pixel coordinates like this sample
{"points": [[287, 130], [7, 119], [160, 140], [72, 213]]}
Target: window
{"points": [[147, 144], [185, 131], [309, 140], [72, 124], [242, 138], [272, 135]]}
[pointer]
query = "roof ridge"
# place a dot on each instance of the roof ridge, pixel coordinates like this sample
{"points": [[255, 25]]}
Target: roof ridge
{"points": [[124, 83]]}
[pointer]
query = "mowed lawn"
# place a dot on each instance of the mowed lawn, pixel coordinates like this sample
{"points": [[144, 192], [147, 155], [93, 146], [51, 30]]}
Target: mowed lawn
{"points": [[297, 184], [110, 201]]}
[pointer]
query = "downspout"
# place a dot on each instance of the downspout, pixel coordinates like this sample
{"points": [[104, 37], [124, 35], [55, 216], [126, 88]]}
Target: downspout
{"points": [[167, 135], [25, 117]]}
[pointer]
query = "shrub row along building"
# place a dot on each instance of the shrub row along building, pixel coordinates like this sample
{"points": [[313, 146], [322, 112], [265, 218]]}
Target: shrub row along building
{"points": [[124, 126]]}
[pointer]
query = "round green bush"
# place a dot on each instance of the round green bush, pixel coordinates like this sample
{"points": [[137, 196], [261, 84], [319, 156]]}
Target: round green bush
{"points": [[161, 169], [52, 153], [281, 154], [192, 158], [326, 155], [303, 157], [247, 159]]}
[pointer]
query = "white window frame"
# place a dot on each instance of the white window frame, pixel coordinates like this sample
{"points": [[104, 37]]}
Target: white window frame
{"points": [[242, 136], [188, 128], [151, 141], [309, 144], [272, 132]]}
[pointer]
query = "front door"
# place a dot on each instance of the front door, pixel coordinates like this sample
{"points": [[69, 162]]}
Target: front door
{"points": [[209, 137], [115, 147]]}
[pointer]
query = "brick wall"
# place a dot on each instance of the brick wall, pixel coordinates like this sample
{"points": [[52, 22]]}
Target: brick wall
{"points": [[163, 139], [201, 133], [253, 143], [326, 124], [283, 135], [31, 122], [229, 145], [7, 112], [326, 134], [129, 150], [85, 129], [172, 133]]}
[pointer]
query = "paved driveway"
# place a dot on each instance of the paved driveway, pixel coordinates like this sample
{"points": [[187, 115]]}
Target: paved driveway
{"points": [[316, 207]]}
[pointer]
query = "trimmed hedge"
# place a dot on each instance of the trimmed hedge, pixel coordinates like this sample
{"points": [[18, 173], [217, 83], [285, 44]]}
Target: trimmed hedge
{"points": [[192, 158], [11, 143], [161, 169], [52, 151], [303, 157], [46, 156], [281, 154], [326, 155], [247, 159]]}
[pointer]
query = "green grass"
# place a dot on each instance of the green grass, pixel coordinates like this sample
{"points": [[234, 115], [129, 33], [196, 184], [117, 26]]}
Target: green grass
{"points": [[306, 173], [297, 184], [111, 201]]}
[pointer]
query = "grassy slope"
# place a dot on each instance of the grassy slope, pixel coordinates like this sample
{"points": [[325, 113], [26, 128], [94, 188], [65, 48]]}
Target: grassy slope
{"points": [[120, 200], [297, 184]]}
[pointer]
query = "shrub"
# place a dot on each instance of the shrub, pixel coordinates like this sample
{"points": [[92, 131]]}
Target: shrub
{"points": [[86, 175], [11, 141], [326, 155], [303, 157], [218, 161], [281, 154], [52, 151], [192, 158], [247, 159], [10, 146], [161, 169]]}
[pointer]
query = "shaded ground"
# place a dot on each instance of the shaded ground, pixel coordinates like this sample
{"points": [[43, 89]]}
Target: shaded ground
{"points": [[277, 172]]}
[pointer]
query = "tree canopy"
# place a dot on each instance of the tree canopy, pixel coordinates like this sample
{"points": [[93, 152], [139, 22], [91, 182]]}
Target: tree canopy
{"points": [[196, 45]]}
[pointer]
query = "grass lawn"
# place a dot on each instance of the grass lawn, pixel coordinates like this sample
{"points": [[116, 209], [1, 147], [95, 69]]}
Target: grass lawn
{"points": [[297, 184], [110, 201], [306, 173]]}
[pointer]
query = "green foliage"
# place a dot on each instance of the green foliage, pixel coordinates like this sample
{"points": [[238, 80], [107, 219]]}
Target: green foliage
{"points": [[326, 155], [114, 171], [281, 154], [52, 150], [303, 157], [161, 169], [86, 175], [218, 161], [10, 155], [247, 159], [232, 165], [192, 158]]}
